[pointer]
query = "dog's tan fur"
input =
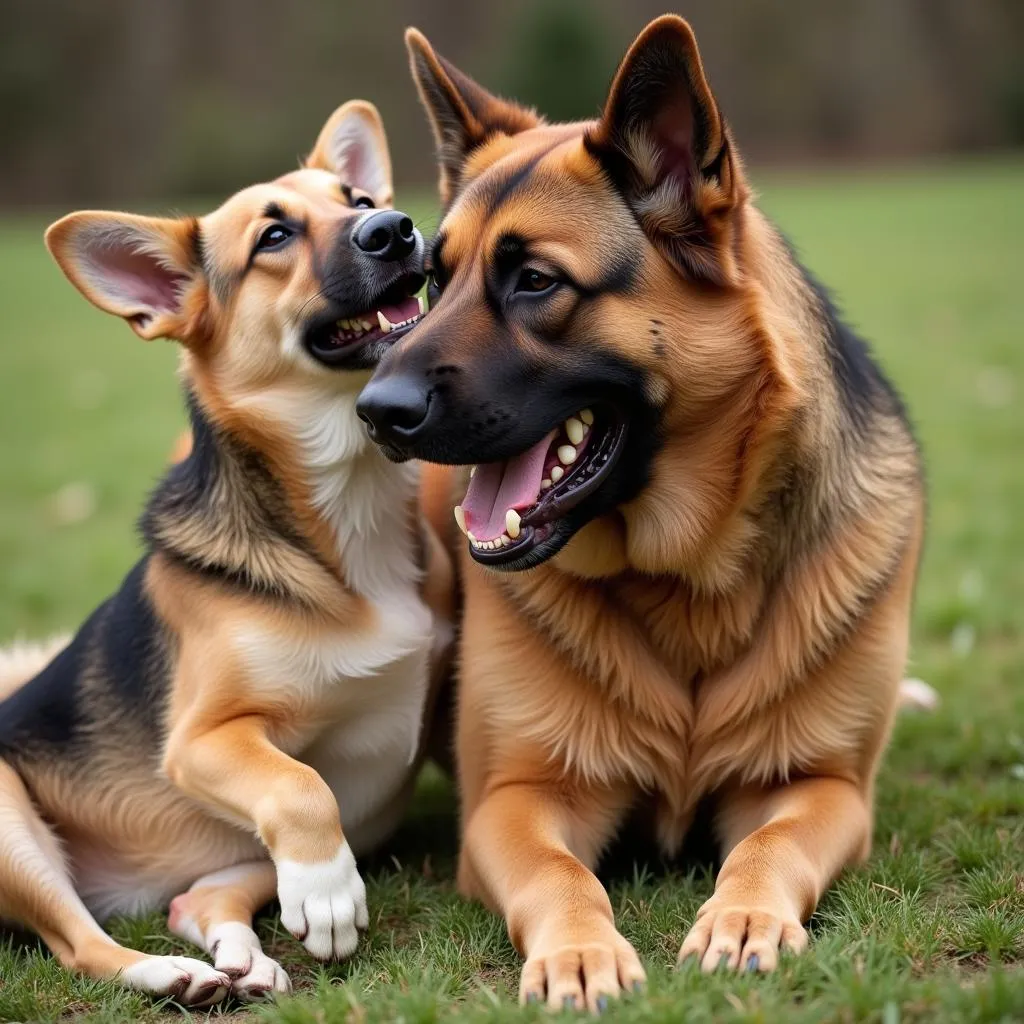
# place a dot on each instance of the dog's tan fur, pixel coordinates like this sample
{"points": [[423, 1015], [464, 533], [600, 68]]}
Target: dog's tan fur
{"points": [[701, 640], [256, 708]]}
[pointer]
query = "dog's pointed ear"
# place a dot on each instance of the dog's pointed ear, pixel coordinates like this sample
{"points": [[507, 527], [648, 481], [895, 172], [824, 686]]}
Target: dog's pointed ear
{"points": [[352, 145], [147, 270], [462, 113], [664, 143]]}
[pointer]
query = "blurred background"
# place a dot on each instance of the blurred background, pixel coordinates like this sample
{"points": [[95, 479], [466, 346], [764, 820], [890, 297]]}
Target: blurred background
{"points": [[882, 134], [135, 100], [886, 137]]}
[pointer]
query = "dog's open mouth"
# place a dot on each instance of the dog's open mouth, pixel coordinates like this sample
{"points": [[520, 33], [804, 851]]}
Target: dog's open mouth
{"points": [[336, 341], [513, 507]]}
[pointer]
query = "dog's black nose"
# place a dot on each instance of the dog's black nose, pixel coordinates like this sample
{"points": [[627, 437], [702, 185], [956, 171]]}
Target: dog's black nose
{"points": [[386, 235], [394, 409]]}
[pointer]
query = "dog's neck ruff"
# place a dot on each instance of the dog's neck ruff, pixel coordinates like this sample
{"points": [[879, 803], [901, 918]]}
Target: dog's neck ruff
{"points": [[365, 500], [223, 512]]}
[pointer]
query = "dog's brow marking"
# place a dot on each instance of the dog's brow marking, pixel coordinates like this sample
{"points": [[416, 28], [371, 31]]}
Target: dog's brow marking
{"points": [[273, 211], [494, 193]]}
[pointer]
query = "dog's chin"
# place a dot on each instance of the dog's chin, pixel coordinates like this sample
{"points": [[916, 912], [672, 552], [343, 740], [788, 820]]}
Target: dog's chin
{"points": [[521, 511]]}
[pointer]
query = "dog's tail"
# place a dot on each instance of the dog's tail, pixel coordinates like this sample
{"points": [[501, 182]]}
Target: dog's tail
{"points": [[22, 660], [918, 695]]}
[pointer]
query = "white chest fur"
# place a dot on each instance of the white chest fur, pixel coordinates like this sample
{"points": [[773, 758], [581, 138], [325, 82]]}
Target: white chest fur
{"points": [[357, 693]]}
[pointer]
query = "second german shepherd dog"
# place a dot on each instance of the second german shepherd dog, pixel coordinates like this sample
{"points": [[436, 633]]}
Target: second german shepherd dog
{"points": [[270, 659], [693, 529]]}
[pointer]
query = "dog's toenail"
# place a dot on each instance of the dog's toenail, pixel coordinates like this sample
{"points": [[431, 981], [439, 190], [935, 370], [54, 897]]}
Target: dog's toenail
{"points": [[569, 1003], [532, 997], [723, 961], [602, 1004], [753, 962], [638, 986]]}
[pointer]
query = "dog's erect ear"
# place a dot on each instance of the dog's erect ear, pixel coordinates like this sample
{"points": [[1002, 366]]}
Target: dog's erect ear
{"points": [[145, 269], [663, 141], [352, 145], [462, 113]]}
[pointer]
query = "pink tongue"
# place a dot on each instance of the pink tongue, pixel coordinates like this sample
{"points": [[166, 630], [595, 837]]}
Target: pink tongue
{"points": [[401, 311], [498, 486]]}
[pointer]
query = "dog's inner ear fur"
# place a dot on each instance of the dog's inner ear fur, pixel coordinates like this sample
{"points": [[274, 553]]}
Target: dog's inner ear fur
{"points": [[140, 268], [462, 113], [352, 145], [662, 140]]}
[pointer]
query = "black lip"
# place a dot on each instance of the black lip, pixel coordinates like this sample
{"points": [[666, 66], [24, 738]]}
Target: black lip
{"points": [[365, 352], [545, 530]]}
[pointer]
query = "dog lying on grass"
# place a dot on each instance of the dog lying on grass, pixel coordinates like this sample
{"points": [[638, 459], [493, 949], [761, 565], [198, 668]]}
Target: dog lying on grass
{"points": [[244, 715], [692, 533]]}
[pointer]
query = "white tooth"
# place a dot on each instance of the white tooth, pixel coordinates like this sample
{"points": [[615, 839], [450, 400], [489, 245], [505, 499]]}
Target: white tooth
{"points": [[423, 304], [512, 520], [472, 539], [385, 324], [545, 484], [343, 324], [566, 455], [366, 324], [505, 540], [472, 470], [556, 474], [460, 518], [588, 417], [574, 428]]}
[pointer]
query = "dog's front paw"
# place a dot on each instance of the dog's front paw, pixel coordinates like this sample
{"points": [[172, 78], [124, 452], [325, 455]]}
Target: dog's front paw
{"points": [[237, 953], [581, 968], [187, 981], [323, 904], [731, 934]]}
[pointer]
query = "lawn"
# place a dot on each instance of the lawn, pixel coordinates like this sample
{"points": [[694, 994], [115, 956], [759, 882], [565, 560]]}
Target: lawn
{"points": [[930, 265]]}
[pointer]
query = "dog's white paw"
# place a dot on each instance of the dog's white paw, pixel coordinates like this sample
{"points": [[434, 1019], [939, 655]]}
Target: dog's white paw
{"points": [[187, 981], [254, 976], [324, 904]]}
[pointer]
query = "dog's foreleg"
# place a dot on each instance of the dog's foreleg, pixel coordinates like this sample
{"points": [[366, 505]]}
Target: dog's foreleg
{"points": [[216, 914], [528, 851], [784, 846], [236, 769], [36, 891]]}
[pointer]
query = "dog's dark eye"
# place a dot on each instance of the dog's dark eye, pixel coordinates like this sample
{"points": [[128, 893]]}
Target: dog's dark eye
{"points": [[363, 203], [274, 236], [531, 280]]}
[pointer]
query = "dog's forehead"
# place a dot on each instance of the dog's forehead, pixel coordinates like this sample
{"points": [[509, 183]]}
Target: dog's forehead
{"points": [[542, 186], [301, 194], [302, 188]]}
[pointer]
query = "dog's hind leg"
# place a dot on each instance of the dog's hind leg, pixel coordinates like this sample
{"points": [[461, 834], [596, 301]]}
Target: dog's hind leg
{"points": [[37, 892], [216, 914]]}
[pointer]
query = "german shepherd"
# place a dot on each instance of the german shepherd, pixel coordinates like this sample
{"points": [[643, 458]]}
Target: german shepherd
{"points": [[270, 659], [693, 528]]}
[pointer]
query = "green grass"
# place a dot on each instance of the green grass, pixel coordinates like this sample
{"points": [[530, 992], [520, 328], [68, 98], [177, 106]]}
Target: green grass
{"points": [[929, 264]]}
